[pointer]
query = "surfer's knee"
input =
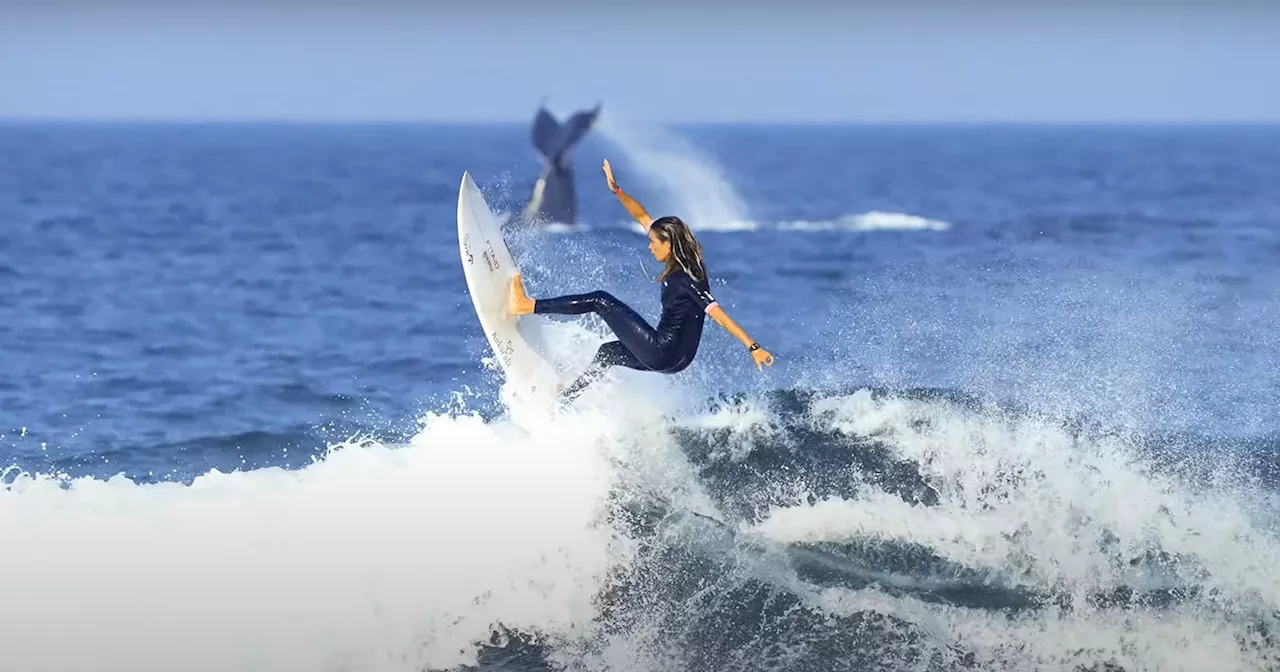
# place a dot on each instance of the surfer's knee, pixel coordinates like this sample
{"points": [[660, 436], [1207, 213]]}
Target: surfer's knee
{"points": [[613, 353], [602, 298]]}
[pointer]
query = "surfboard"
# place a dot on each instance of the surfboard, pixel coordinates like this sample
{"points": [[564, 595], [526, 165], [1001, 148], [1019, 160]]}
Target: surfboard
{"points": [[488, 267]]}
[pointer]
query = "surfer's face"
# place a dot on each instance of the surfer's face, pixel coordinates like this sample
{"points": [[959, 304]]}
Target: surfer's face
{"points": [[661, 249]]}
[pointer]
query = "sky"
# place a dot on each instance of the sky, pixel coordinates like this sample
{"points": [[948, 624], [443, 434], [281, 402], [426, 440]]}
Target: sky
{"points": [[661, 60]]}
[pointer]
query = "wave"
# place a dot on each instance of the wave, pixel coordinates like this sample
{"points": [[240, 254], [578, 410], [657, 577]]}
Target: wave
{"points": [[690, 182], [183, 460], [801, 530], [861, 222], [870, 221]]}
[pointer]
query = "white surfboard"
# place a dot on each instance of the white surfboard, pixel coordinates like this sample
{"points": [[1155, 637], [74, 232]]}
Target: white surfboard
{"points": [[489, 267]]}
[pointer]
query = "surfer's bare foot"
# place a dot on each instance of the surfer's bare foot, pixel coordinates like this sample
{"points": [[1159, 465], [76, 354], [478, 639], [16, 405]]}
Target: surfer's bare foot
{"points": [[518, 303]]}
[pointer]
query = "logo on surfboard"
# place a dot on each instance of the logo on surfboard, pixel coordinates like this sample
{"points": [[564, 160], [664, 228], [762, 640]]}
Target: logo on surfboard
{"points": [[491, 258], [504, 348], [466, 248]]}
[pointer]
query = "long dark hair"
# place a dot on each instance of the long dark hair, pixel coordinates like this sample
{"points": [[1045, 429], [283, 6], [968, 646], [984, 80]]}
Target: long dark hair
{"points": [[686, 253]]}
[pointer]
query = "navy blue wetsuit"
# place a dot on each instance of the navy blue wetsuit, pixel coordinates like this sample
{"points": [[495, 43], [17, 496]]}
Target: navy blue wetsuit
{"points": [[667, 349]]}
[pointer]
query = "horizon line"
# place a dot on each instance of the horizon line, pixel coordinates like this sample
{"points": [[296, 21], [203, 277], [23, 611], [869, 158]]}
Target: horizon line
{"points": [[511, 121]]}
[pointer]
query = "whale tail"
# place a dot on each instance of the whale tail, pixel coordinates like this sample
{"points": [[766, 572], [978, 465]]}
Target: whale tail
{"points": [[554, 199]]}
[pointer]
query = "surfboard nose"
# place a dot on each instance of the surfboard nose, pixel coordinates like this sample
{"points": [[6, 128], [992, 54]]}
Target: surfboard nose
{"points": [[469, 193]]}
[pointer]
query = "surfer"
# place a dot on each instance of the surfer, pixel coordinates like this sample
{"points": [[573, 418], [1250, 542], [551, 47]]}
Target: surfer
{"points": [[686, 301]]}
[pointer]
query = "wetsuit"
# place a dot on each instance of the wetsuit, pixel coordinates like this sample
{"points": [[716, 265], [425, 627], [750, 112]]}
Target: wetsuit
{"points": [[667, 349]]}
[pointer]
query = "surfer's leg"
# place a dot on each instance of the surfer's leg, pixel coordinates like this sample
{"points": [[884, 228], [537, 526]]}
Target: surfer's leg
{"points": [[627, 325], [613, 353]]}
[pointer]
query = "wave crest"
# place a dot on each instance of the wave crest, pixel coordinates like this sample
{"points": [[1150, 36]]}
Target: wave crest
{"points": [[904, 530]]}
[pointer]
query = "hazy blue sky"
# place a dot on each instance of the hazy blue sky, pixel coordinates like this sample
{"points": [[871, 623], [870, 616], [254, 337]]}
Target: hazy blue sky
{"points": [[796, 61]]}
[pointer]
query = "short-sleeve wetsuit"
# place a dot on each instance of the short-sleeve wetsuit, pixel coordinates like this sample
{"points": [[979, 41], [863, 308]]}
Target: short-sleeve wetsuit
{"points": [[667, 349]]}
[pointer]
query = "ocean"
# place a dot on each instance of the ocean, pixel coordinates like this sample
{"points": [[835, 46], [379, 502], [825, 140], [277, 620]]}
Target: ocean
{"points": [[1022, 415]]}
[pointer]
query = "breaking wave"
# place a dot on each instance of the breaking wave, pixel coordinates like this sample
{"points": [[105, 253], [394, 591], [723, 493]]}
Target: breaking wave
{"points": [[798, 531]]}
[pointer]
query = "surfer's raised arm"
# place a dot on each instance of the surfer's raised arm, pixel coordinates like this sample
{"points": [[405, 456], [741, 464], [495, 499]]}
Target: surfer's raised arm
{"points": [[632, 205]]}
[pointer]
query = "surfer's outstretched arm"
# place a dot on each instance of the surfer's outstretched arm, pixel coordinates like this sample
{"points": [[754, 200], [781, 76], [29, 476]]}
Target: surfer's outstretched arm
{"points": [[759, 354], [632, 205]]}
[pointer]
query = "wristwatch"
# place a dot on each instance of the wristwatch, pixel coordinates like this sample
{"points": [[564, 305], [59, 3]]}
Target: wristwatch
{"points": [[754, 346]]}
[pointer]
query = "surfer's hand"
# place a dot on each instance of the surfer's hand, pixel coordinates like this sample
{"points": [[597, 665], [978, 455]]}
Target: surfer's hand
{"points": [[608, 175], [762, 357]]}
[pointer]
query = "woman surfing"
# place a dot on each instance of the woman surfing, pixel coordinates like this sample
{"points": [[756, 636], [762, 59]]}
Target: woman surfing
{"points": [[686, 301]]}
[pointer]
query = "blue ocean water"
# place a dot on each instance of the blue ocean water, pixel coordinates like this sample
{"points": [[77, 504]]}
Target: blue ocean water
{"points": [[1023, 414]]}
